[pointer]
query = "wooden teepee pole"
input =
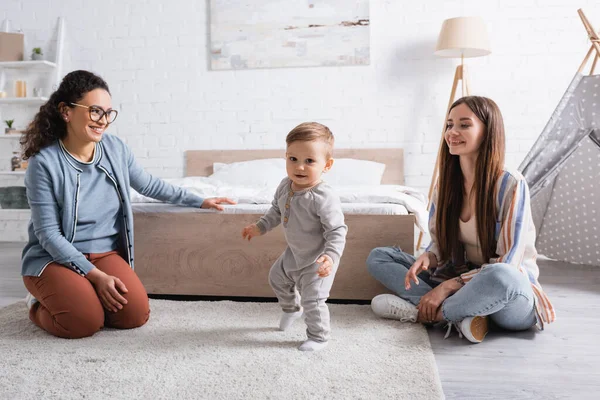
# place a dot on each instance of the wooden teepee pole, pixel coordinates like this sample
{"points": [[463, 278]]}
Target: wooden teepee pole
{"points": [[594, 38], [585, 60]]}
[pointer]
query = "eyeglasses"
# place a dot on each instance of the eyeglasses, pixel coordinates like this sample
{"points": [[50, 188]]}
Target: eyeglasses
{"points": [[97, 113]]}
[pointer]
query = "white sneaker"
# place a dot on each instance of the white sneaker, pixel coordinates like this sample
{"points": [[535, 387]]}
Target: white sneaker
{"points": [[30, 300], [474, 329], [393, 307]]}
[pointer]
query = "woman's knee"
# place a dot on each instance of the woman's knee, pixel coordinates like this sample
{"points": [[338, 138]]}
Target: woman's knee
{"points": [[133, 315], [502, 276], [376, 257], [133, 319], [381, 258], [67, 308], [78, 323]]}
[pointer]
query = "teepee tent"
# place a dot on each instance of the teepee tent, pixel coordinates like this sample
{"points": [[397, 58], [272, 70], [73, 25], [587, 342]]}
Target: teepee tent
{"points": [[563, 170]]}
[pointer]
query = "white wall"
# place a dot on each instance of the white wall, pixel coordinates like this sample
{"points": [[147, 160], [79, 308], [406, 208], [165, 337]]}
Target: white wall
{"points": [[154, 56]]}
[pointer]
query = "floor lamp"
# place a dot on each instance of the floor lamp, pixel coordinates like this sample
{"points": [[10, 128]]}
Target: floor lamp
{"points": [[461, 37]]}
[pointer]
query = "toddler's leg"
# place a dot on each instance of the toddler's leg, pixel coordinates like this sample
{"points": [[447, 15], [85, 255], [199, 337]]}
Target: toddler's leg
{"points": [[285, 289], [287, 319], [314, 292]]}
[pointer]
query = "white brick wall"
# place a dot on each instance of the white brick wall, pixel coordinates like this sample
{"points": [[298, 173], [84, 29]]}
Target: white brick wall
{"points": [[154, 56], [13, 225], [12, 180]]}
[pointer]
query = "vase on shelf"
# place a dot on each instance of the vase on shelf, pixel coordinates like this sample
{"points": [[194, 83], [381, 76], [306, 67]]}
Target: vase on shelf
{"points": [[5, 26], [20, 88], [15, 161]]}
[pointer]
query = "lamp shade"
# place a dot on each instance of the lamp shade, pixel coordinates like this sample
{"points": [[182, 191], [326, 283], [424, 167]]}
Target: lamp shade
{"points": [[463, 37]]}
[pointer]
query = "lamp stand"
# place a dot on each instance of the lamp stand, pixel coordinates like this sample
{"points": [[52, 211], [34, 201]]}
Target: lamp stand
{"points": [[459, 75]]}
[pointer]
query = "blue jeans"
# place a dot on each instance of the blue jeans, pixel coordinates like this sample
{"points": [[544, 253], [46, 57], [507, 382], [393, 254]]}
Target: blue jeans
{"points": [[499, 290]]}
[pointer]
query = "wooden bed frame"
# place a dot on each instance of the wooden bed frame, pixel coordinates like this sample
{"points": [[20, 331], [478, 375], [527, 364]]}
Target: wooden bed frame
{"points": [[204, 254]]}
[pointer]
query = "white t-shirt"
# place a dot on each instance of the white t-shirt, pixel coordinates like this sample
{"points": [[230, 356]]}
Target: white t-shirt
{"points": [[467, 234]]}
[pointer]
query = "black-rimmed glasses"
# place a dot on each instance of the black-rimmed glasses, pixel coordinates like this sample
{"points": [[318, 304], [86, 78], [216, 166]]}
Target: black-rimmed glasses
{"points": [[97, 113]]}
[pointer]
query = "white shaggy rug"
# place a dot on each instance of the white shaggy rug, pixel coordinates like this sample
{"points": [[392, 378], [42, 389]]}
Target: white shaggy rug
{"points": [[219, 350]]}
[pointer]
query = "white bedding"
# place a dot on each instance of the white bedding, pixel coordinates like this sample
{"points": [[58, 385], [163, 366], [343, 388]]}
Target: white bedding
{"points": [[380, 199], [347, 208]]}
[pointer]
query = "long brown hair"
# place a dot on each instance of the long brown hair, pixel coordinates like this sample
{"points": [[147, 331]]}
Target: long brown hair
{"points": [[488, 169], [47, 125]]}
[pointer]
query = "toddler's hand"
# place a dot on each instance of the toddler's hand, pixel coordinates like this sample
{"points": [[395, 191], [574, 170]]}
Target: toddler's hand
{"points": [[250, 231], [325, 268]]}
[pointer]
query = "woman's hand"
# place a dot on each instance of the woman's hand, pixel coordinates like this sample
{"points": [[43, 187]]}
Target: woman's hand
{"points": [[215, 202], [250, 231], [108, 287], [431, 302], [423, 263]]}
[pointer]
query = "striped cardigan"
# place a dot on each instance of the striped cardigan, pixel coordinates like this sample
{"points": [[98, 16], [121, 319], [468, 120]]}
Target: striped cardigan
{"points": [[515, 238]]}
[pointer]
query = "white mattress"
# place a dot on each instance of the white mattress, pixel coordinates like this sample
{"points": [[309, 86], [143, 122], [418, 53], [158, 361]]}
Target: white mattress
{"points": [[347, 208], [377, 199]]}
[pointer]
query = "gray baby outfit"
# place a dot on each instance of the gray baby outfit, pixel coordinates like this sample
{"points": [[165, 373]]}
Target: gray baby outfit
{"points": [[313, 224]]}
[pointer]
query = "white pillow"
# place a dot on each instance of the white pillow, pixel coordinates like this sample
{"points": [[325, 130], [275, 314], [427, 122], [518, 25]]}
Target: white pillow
{"points": [[349, 171], [266, 172]]}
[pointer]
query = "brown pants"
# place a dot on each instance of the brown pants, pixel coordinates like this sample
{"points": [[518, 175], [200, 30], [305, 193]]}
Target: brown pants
{"points": [[69, 307]]}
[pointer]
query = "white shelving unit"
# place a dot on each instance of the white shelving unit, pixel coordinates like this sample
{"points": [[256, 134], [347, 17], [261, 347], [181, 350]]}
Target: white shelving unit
{"points": [[52, 71], [24, 100], [38, 66], [42, 64], [16, 173]]}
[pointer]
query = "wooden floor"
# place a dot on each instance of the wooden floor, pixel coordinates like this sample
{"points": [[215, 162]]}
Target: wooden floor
{"points": [[562, 362]]}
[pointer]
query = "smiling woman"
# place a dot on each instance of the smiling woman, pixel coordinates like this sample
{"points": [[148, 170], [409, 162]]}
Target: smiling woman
{"points": [[86, 122], [78, 262], [481, 262]]}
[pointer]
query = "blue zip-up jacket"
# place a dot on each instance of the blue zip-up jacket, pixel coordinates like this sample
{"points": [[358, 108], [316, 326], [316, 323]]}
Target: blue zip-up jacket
{"points": [[52, 183]]}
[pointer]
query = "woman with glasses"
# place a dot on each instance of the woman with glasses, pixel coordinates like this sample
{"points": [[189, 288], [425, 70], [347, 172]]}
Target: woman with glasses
{"points": [[78, 263]]}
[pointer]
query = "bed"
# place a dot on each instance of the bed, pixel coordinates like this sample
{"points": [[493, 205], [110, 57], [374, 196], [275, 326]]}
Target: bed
{"points": [[187, 251]]}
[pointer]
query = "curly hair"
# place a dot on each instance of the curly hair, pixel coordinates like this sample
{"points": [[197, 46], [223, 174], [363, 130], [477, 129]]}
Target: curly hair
{"points": [[47, 125]]}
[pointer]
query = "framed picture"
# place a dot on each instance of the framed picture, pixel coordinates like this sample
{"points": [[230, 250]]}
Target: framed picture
{"points": [[248, 34]]}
